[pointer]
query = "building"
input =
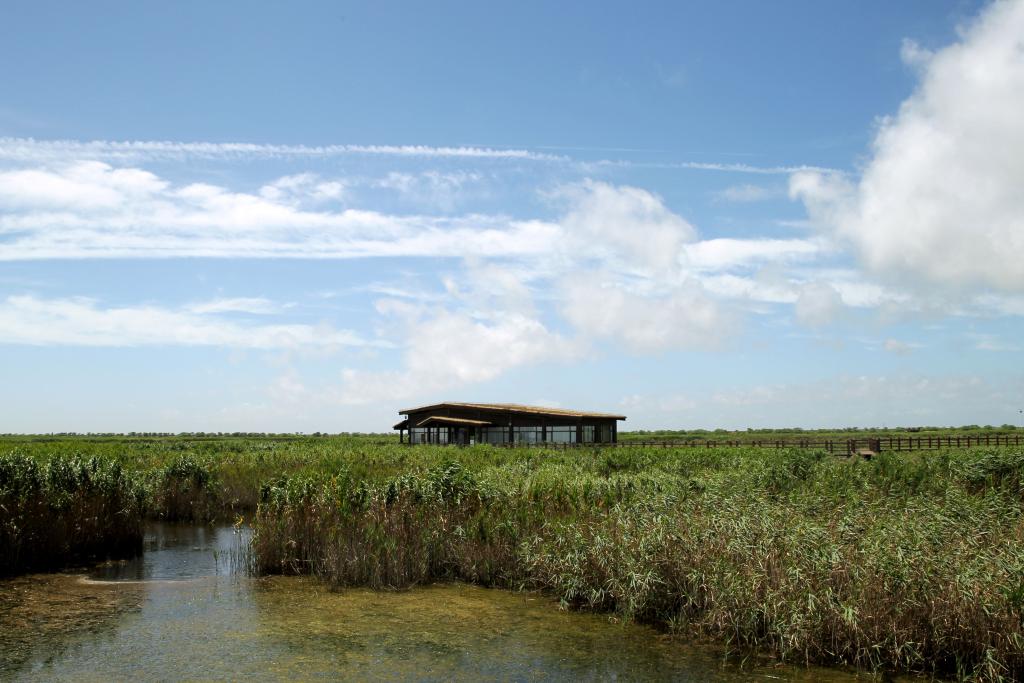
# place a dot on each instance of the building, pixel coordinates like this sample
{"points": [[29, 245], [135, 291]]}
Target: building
{"points": [[505, 423]]}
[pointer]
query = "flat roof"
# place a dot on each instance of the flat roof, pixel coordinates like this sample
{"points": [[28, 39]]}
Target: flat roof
{"points": [[515, 408]]}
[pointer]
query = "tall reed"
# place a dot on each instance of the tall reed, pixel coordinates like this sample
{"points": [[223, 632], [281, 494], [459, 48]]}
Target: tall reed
{"points": [[906, 562], [67, 509]]}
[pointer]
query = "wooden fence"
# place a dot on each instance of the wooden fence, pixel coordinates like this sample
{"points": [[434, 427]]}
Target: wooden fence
{"points": [[837, 446]]}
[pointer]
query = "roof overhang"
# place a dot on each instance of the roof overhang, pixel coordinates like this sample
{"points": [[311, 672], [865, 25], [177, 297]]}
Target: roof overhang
{"points": [[455, 421]]}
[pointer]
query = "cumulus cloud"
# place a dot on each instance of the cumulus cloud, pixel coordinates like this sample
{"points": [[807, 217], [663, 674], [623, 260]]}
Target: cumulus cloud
{"points": [[940, 198], [625, 226], [817, 304], [684, 317], [446, 349], [614, 272], [76, 321], [913, 54], [627, 281]]}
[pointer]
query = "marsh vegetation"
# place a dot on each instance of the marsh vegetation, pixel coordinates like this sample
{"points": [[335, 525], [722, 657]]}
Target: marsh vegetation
{"points": [[907, 562]]}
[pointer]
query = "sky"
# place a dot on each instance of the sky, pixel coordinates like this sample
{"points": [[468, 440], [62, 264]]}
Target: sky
{"points": [[307, 216]]}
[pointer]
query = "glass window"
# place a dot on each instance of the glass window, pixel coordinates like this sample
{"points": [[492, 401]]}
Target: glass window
{"points": [[527, 434], [562, 434], [428, 435], [494, 435], [588, 433]]}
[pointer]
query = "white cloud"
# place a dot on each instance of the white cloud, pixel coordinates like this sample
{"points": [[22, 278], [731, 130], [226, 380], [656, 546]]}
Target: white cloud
{"points": [[940, 199], [684, 317], [447, 349], [289, 389], [257, 305], [1001, 304], [93, 210], [488, 286], [747, 193], [727, 253], [817, 304], [913, 54], [82, 186], [713, 166], [761, 289], [35, 151], [622, 276], [483, 327], [443, 190], [776, 285], [31, 150], [303, 186], [985, 341], [624, 226], [614, 272], [82, 322], [898, 347]]}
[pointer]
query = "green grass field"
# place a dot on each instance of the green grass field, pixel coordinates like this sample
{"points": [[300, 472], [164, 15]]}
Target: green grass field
{"points": [[905, 562]]}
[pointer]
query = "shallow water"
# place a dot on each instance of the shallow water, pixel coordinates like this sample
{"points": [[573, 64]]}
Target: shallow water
{"points": [[182, 611]]}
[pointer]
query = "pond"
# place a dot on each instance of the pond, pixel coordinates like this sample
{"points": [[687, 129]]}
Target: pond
{"points": [[185, 610]]}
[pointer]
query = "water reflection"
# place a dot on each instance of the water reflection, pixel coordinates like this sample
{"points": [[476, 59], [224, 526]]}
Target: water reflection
{"points": [[42, 616], [181, 551], [180, 612]]}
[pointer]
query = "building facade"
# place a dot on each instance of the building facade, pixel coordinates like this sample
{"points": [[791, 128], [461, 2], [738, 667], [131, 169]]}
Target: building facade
{"points": [[505, 424]]}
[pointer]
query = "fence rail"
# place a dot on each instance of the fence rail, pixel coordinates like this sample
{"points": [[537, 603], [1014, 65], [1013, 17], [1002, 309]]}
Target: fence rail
{"points": [[837, 446]]}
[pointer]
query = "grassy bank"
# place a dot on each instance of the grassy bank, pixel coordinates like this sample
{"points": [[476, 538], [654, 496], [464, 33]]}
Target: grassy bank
{"points": [[909, 562]]}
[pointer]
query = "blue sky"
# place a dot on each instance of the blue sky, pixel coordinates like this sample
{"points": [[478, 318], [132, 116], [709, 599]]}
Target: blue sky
{"points": [[244, 216]]}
